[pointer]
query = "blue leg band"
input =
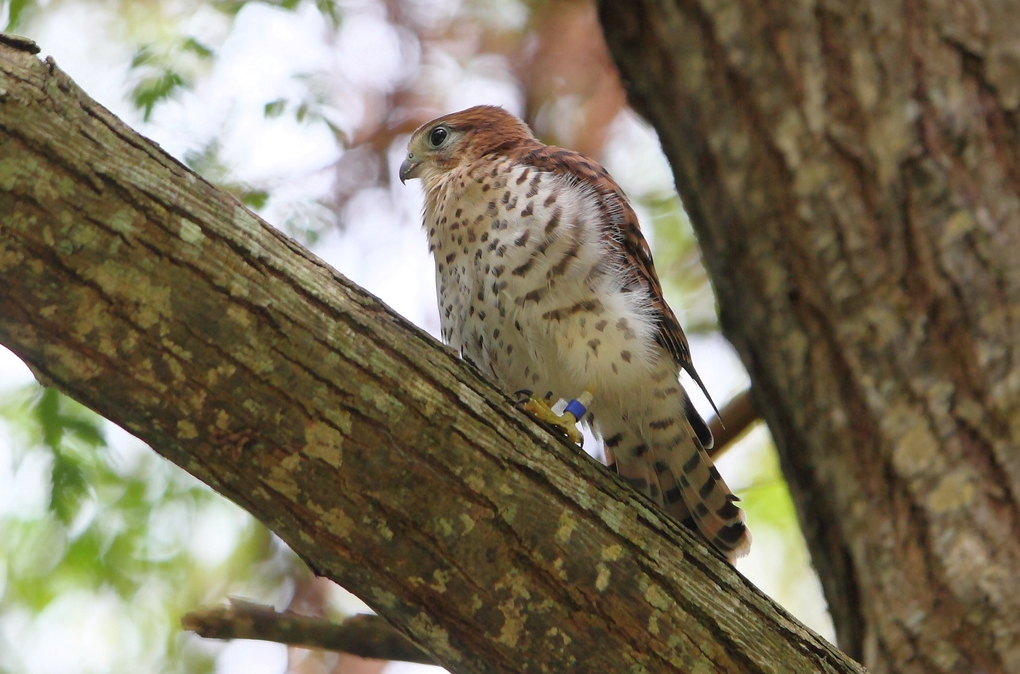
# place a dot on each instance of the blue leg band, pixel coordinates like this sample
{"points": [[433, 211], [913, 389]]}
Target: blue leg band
{"points": [[576, 408]]}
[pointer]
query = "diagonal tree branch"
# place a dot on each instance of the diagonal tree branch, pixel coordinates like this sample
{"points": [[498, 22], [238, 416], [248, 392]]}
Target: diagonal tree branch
{"points": [[378, 456]]}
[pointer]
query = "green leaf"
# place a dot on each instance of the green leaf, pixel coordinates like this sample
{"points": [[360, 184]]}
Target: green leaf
{"points": [[69, 487], [143, 56], [331, 10], [61, 419], [255, 199], [152, 90], [86, 430], [14, 8], [275, 108], [47, 413], [196, 47]]}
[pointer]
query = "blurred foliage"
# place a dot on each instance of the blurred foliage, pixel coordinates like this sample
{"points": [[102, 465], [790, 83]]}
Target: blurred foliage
{"points": [[112, 523], [330, 9], [118, 526], [678, 262], [11, 11], [162, 73], [208, 163], [785, 572]]}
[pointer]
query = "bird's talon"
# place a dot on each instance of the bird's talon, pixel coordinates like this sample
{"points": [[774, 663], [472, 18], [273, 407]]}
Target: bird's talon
{"points": [[565, 423], [522, 396]]}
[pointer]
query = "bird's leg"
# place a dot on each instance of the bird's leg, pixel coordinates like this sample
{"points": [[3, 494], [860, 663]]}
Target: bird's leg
{"points": [[565, 420]]}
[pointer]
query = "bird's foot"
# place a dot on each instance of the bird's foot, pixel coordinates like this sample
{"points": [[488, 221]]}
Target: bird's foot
{"points": [[546, 414]]}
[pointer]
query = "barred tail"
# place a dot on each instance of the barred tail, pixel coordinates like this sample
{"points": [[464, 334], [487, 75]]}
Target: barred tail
{"points": [[710, 503], [677, 473]]}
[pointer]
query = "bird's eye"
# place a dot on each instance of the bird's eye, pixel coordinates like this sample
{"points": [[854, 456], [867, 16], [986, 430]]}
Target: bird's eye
{"points": [[438, 136]]}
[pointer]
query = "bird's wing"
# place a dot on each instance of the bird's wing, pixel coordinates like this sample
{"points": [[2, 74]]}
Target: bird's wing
{"points": [[622, 232]]}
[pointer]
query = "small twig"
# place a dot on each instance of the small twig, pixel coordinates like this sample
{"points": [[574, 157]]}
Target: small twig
{"points": [[366, 636], [740, 414]]}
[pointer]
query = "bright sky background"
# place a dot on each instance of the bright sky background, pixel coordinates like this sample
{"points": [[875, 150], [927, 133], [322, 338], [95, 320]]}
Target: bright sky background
{"points": [[381, 247]]}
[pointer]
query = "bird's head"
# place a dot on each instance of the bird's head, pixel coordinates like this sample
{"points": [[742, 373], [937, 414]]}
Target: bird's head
{"points": [[452, 140]]}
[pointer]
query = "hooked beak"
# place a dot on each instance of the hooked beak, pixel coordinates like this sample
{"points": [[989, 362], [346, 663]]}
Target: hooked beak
{"points": [[409, 169]]}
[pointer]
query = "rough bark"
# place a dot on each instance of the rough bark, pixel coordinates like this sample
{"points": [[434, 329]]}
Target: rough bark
{"points": [[851, 170], [382, 459]]}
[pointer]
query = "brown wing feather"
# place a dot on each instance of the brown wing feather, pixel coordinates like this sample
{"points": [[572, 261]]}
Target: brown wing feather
{"points": [[623, 231]]}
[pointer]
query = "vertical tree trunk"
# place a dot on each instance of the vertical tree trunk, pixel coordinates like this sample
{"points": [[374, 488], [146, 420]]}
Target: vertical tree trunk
{"points": [[851, 169]]}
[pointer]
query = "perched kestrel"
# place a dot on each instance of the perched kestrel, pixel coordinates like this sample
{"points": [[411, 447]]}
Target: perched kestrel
{"points": [[546, 283]]}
